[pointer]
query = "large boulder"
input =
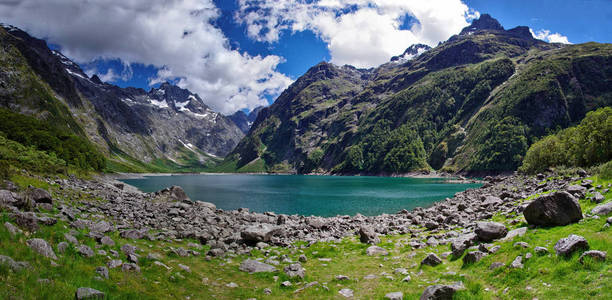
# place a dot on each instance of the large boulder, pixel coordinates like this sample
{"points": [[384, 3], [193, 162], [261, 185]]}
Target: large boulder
{"points": [[489, 231], [441, 291], [368, 236], [39, 195], [567, 246], [375, 250], [602, 209], [258, 233], [253, 266], [431, 260], [172, 194], [555, 209]]}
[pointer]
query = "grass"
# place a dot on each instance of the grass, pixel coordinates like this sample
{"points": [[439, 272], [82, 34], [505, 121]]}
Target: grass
{"points": [[543, 277]]}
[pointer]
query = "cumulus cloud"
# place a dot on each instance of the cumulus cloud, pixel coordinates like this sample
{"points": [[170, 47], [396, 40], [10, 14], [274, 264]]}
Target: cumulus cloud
{"points": [[362, 33], [175, 36], [547, 36], [111, 75]]}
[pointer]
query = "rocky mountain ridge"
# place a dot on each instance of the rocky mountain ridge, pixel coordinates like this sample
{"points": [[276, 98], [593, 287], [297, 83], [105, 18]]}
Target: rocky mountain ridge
{"points": [[472, 104], [167, 125]]}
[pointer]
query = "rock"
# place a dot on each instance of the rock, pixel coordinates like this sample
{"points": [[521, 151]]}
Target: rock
{"points": [[41, 247], [12, 229], [576, 191], [431, 260], [394, 296], [7, 198], [540, 250], [180, 251], [609, 220], [347, 293], [128, 249], [253, 266], [215, 252], [130, 267], [401, 271], [107, 241], [598, 197], [27, 220], [407, 278], [85, 251], [62, 247], [555, 209], [491, 200], [375, 250], [172, 194], [341, 277], [517, 263], [39, 195], [514, 233], [286, 284], [267, 291], [294, 270], [101, 226], [594, 254], [489, 231], [368, 236], [232, 285], [441, 292], [185, 268], [473, 256], [208, 205], [459, 244], [12, 264], [133, 258], [567, 246], [602, 209], [308, 285], [158, 263], [114, 263], [520, 244], [132, 234], [303, 258], [528, 255], [102, 271], [88, 293], [258, 233], [496, 265]]}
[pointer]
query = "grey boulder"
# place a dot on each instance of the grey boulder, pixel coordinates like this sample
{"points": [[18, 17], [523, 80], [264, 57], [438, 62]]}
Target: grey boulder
{"points": [[41, 247], [88, 293], [294, 270], [253, 266], [441, 291], [555, 209], [489, 231], [368, 236], [567, 246], [602, 209]]}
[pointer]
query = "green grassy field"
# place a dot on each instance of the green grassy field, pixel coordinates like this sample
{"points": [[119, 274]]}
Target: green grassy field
{"points": [[543, 277]]}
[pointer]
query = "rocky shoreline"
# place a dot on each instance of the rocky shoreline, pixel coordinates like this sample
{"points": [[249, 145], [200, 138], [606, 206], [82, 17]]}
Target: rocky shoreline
{"points": [[170, 214]]}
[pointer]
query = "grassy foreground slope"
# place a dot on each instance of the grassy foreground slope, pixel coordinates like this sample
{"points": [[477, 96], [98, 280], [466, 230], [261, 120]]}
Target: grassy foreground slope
{"points": [[543, 276]]}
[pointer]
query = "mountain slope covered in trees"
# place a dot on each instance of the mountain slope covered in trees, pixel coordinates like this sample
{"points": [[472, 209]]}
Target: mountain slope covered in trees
{"points": [[473, 103]]}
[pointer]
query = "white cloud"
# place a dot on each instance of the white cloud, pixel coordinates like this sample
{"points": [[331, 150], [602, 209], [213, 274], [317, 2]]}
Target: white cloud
{"points": [[547, 36], [111, 75], [173, 35], [363, 33]]}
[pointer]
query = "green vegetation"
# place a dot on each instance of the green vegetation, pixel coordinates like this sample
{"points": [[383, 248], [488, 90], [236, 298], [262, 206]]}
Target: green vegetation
{"points": [[585, 145], [545, 276], [75, 151]]}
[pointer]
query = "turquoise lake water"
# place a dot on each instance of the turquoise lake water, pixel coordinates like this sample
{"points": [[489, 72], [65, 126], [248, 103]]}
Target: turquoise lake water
{"points": [[308, 195]]}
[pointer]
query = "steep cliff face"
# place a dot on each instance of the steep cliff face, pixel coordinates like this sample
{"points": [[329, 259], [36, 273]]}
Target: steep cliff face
{"points": [[164, 124], [473, 103]]}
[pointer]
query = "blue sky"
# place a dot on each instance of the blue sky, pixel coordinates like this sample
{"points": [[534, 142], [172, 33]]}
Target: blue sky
{"points": [[241, 54]]}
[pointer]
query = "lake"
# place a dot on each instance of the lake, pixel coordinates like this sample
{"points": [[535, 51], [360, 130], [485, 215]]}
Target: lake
{"points": [[308, 195]]}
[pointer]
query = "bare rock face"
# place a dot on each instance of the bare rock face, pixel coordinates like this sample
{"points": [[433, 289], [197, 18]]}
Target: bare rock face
{"points": [[567, 246], [489, 231], [555, 209]]}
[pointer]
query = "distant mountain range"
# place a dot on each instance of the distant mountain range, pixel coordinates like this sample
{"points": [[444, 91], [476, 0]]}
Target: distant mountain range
{"points": [[471, 104], [164, 126]]}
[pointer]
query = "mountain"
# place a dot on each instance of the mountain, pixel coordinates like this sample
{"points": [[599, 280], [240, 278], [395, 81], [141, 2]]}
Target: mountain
{"points": [[244, 121], [472, 104], [164, 127]]}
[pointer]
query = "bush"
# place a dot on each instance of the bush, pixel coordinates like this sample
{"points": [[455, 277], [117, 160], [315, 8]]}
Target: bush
{"points": [[605, 170], [586, 145]]}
